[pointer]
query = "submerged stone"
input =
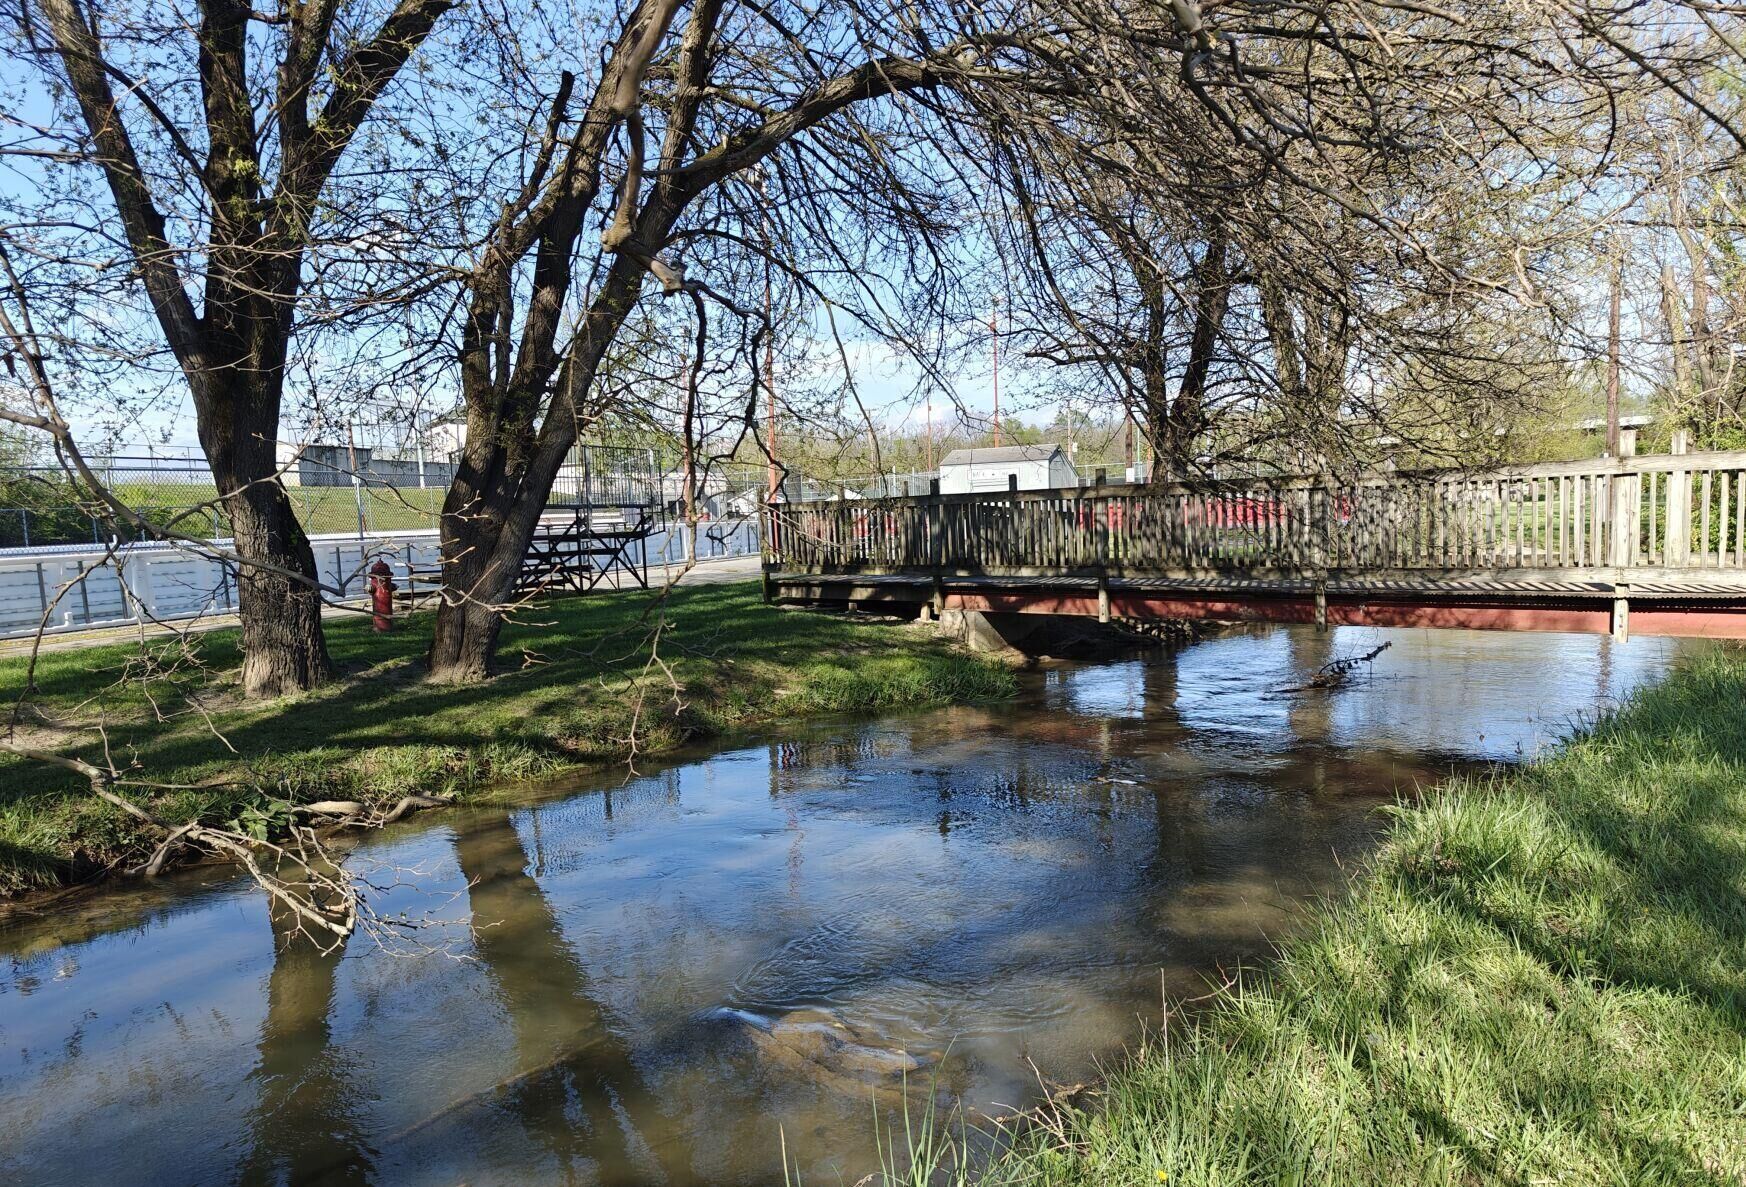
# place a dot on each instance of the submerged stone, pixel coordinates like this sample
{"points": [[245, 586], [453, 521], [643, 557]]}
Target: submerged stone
{"points": [[822, 1045]]}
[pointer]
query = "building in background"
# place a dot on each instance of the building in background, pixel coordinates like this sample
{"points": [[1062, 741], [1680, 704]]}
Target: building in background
{"points": [[445, 436], [1036, 467]]}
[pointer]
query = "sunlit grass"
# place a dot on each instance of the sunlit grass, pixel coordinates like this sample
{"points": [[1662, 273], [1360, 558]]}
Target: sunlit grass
{"points": [[1540, 978], [577, 689]]}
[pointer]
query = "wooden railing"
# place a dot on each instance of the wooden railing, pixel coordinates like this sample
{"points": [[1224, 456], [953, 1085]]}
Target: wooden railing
{"points": [[1684, 512]]}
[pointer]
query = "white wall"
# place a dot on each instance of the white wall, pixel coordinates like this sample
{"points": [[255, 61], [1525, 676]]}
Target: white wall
{"points": [[166, 582], [163, 582], [995, 476]]}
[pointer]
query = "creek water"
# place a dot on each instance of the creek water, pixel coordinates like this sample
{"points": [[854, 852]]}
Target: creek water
{"points": [[674, 977]]}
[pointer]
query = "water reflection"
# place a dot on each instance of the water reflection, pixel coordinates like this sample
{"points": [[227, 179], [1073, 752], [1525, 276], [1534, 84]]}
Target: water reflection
{"points": [[577, 1095], [303, 1127], [648, 983]]}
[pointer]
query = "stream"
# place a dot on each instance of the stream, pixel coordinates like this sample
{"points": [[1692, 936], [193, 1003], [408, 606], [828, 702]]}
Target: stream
{"points": [[673, 977]]}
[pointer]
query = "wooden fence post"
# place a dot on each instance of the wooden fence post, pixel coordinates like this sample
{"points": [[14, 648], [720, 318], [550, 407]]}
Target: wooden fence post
{"points": [[767, 549]]}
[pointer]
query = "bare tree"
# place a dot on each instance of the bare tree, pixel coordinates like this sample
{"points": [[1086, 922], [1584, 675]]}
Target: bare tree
{"points": [[1286, 233], [646, 155], [216, 131]]}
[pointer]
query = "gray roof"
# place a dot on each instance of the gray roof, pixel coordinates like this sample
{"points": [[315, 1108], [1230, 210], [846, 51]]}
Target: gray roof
{"points": [[1625, 422], [994, 457]]}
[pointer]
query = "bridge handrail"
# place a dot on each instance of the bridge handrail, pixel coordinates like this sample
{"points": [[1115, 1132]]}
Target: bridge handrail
{"points": [[1668, 511], [1719, 459]]}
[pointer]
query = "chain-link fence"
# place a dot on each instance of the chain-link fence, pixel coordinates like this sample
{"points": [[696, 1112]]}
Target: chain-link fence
{"points": [[42, 507], [335, 489]]}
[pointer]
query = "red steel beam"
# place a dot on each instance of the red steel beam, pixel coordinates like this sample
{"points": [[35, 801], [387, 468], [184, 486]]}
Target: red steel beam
{"points": [[1698, 621]]}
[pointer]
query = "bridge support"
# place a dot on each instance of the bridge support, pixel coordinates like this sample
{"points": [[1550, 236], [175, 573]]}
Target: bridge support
{"points": [[1621, 613], [1064, 636], [978, 631]]}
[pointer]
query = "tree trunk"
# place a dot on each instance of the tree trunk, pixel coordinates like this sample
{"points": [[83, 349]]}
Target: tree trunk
{"points": [[284, 649], [484, 539], [1168, 428], [463, 648], [1176, 426], [502, 484], [278, 585]]}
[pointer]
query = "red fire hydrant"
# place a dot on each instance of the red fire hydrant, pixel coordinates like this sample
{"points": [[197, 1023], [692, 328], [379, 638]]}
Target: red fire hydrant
{"points": [[381, 595]]}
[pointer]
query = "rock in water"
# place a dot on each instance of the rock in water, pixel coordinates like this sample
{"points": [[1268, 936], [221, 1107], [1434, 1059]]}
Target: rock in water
{"points": [[822, 1045]]}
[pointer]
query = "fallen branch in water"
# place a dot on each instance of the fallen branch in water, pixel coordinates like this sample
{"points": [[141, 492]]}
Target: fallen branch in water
{"points": [[1336, 672], [295, 870], [351, 813], [1339, 671]]}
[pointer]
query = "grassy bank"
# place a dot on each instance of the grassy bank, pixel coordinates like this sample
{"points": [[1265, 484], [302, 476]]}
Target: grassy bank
{"points": [[570, 697], [1539, 979]]}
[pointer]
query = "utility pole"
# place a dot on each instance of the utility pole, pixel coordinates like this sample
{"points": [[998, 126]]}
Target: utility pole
{"points": [[1618, 267], [928, 428], [994, 329], [357, 485]]}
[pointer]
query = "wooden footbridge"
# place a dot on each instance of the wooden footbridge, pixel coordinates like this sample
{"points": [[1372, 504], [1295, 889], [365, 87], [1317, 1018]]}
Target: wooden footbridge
{"points": [[1652, 545]]}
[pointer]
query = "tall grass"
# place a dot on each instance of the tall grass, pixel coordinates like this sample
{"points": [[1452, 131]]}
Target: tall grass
{"points": [[1539, 978], [930, 1153]]}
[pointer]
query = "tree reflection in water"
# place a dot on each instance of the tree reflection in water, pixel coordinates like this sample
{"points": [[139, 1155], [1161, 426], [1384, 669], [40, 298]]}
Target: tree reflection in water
{"points": [[577, 1089], [303, 1127]]}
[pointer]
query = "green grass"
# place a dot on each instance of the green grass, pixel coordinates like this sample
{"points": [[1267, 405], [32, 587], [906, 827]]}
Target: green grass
{"points": [[1540, 978], [568, 698], [320, 509]]}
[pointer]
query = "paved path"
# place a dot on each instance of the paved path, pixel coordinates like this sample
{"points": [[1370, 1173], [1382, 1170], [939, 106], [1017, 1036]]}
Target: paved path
{"points": [[710, 572]]}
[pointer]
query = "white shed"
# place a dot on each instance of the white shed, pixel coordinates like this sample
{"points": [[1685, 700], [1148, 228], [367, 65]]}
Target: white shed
{"points": [[1037, 467]]}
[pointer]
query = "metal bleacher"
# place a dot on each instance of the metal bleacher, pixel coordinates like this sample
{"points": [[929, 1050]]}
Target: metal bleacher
{"points": [[605, 505]]}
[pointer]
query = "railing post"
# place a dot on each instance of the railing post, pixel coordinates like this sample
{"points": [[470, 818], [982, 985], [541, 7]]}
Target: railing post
{"points": [[1625, 513], [1321, 546], [937, 546], [1102, 529], [1679, 506]]}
